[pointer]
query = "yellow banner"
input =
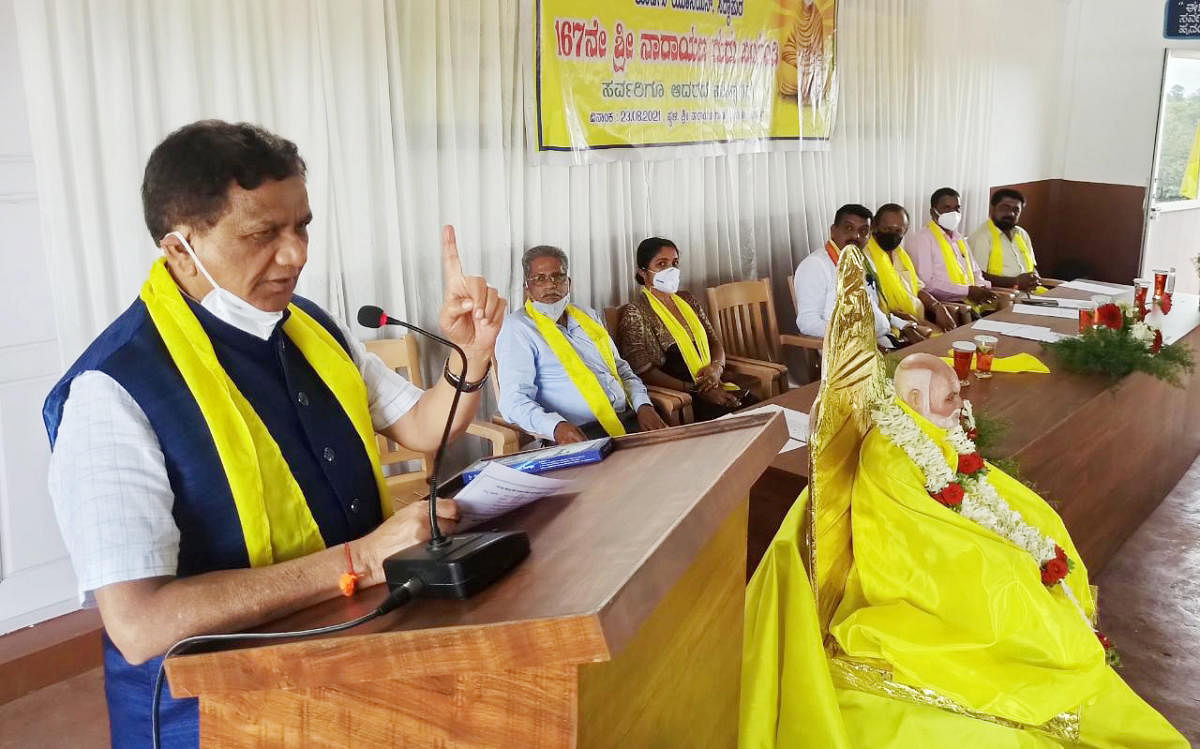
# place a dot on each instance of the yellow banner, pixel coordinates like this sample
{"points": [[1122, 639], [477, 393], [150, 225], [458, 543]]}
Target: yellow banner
{"points": [[627, 74]]}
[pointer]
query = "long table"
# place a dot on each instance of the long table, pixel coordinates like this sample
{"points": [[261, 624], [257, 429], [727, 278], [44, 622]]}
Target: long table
{"points": [[1103, 454]]}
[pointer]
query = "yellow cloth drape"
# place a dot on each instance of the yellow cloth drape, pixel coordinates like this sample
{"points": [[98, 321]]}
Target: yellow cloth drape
{"points": [[951, 608], [583, 378], [1190, 187], [1013, 364], [959, 265], [694, 347], [276, 522], [898, 286]]}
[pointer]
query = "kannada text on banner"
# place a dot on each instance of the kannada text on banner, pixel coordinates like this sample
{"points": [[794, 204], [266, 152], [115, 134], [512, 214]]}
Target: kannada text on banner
{"points": [[628, 74]]}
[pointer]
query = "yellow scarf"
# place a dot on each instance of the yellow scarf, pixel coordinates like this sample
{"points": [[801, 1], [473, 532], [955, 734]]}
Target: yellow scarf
{"points": [[276, 521], [694, 348], [898, 291], [583, 378], [954, 259], [996, 259]]}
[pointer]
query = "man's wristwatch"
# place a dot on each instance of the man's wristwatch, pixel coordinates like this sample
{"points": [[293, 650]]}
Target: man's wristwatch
{"points": [[466, 387]]}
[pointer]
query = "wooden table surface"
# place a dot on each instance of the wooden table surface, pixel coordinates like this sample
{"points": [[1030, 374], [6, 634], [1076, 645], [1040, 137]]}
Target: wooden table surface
{"points": [[1105, 454], [600, 561]]}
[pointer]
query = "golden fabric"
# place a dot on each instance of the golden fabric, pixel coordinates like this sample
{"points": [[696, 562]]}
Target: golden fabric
{"points": [[926, 629]]}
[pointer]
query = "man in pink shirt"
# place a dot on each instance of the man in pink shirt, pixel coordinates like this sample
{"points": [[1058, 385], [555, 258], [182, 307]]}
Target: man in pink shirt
{"points": [[943, 259]]}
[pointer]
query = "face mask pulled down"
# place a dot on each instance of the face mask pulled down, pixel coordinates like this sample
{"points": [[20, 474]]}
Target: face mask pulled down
{"points": [[229, 307], [553, 310]]}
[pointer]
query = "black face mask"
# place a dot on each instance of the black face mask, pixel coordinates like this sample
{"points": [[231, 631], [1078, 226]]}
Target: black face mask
{"points": [[889, 240]]}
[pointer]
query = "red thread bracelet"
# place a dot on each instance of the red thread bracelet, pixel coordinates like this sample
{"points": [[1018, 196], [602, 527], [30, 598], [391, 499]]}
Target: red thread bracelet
{"points": [[348, 582]]}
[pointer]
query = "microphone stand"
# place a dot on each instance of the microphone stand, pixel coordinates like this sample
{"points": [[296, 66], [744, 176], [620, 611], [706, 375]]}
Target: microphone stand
{"points": [[460, 565]]}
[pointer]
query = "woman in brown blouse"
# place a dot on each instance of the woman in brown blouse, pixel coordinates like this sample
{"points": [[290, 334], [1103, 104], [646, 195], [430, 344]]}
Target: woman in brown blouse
{"points": [[645, 340]]}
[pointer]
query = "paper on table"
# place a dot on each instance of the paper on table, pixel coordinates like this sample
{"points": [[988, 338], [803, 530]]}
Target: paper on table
{"points": [[498, 489], [1016, 330], [1096, 288], [1030, 309], [797, 424], [1075, 304]]}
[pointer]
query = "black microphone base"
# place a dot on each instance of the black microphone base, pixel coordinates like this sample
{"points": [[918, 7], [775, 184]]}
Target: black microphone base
{"points": [[467, 564]]}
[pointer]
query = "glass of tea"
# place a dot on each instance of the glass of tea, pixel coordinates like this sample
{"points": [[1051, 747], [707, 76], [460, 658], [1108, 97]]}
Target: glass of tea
{"points": [[985, 349], [1087, 316], [964, 351]]}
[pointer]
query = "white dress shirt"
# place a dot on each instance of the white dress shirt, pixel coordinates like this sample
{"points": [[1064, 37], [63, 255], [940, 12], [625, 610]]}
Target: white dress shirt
{"points": [[108, 479], [816, 293]]}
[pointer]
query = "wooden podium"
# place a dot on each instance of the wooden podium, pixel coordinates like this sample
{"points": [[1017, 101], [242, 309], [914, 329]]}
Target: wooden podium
{"points": [[623, 627]]}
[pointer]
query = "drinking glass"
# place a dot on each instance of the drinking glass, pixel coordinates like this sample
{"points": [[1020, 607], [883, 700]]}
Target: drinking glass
{"points": [[1160, 282], [964, 351], [1087, 317], [985, 349]]}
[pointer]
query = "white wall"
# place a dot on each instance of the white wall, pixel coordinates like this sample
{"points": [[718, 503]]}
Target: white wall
{"points": [[1110, 103], [1026, 91], [36, 581]]}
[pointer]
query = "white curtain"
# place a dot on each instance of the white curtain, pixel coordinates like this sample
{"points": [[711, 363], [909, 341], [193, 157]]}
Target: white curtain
{"points": [[410, 115]]}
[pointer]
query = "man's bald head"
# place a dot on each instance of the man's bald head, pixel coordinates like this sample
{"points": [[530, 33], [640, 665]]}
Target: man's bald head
{"points": [[930, 387]]}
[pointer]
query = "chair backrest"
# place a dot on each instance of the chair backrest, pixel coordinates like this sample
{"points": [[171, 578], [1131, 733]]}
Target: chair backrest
{"points": [[404, 356], [743, 314], [612, 320], [792, 293]]}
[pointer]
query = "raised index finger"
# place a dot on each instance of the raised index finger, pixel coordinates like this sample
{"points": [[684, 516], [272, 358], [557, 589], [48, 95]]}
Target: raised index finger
{"points": [[451, 265]]}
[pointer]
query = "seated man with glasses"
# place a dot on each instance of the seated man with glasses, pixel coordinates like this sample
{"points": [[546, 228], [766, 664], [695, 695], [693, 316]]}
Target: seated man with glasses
{"points": [[560, 374]]}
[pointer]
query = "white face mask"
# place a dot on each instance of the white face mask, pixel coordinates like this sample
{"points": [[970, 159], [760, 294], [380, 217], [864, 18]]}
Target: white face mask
{"points": [[667, 281], [231, 308], [553, 310], [949, 220]]}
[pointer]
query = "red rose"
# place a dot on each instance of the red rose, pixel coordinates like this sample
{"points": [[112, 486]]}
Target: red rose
{"points": [[1060, 553], [1053, 571], [970, 464], [1104, 641], [1157, 345], [951, 496], [972, 434], [1109, 315], [1165, 303]]}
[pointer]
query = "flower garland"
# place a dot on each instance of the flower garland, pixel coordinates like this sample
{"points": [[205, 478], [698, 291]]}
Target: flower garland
{"points": [[968, 492]]}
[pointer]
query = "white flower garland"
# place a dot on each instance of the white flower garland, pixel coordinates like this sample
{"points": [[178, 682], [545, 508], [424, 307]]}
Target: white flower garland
{"points": [[981, 502]]}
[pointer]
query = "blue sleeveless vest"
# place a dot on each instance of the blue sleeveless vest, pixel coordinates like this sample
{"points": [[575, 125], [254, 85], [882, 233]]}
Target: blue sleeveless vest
{"points": [[317, 440]]}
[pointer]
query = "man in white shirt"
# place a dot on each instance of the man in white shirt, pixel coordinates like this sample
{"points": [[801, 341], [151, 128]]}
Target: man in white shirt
{"points": [[214, 462], [1003, 249], [561, 376], [816, 279]]}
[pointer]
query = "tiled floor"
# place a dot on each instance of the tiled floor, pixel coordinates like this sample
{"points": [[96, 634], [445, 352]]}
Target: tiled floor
{"points": [[1149, 598], [70, 714], [1150, 607]]}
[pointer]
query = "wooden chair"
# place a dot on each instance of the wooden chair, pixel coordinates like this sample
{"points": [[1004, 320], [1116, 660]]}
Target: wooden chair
{"points": [[743, 314], [675, 406], [404, 355], [806, 343]]}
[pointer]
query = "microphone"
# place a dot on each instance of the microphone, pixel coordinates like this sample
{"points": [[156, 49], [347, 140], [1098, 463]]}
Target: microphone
{"points": [[459, 565]]}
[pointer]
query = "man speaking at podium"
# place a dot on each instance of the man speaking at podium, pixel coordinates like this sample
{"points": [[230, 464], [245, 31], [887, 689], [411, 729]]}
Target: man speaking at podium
{"points": [[214, 463]]}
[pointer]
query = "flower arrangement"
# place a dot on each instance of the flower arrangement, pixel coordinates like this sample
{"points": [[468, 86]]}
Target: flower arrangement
{"points": [[1123, 342], [965, 489]]}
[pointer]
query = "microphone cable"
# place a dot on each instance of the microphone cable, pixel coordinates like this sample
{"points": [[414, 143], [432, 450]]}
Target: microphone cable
{"points": [[396, 598]]}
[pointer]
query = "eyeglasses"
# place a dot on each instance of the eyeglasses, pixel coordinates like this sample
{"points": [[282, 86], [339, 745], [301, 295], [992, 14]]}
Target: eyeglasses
{"points": [[542, 279]]}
